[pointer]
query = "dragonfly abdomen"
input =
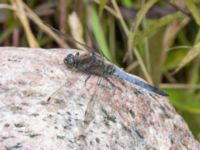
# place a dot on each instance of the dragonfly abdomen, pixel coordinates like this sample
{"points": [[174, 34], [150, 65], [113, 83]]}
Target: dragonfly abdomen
{"points": [[125, 76]]}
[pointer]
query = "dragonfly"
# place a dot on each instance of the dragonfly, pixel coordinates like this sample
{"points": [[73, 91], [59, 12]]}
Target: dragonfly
{"points": [[92, 63], [95, 64]]}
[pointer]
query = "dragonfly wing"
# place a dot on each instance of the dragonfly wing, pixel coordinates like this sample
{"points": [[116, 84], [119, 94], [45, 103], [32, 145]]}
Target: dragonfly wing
{"points": [[94, 44]]}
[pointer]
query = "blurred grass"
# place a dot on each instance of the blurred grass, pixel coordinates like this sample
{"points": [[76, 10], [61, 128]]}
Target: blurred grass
{"points": [[157, 40]]}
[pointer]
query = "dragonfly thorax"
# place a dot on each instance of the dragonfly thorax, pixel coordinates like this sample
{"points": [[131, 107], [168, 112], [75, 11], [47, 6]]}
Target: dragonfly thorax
{"points": [[89, 63]]}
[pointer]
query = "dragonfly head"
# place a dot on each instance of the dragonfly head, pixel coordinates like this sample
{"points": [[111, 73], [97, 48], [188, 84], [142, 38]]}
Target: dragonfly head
{"points": [[70, 60]]}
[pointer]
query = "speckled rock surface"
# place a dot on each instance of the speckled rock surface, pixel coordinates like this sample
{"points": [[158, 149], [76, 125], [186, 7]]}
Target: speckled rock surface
{"points": [[44, 105]]}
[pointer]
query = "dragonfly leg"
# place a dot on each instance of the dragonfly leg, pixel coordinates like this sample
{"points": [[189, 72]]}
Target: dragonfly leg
{"points": [[99, 81], [88, 77], [112, 84]]}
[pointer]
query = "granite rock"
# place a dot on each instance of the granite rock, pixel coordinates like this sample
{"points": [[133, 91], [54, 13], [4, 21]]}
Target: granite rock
{"points": [[45, 105]]}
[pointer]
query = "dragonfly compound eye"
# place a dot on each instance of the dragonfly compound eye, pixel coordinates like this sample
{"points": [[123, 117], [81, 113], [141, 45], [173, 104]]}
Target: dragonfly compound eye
{"points": [[69, 60]]}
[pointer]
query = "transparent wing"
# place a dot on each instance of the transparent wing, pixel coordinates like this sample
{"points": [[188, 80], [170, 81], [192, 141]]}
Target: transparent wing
{"points": [[96, 48]]}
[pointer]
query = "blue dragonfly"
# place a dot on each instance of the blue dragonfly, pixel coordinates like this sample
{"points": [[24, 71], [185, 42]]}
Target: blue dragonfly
{"points": [[94, 64]]}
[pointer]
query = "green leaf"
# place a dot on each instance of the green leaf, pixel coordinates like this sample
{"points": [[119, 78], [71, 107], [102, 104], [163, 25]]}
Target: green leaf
{"points": [[154, 26], [6, 33], [99, 35], [185, 101], [193, 52], [194, 10], [102, 5], [197, 38], [141, 14], [174, 57], [127, 3]]}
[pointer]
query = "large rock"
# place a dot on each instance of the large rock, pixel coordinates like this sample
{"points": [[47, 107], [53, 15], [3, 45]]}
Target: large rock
{"points": [[45, 105]]}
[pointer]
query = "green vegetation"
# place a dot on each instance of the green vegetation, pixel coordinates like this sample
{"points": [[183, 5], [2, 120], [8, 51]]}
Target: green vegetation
{"points": [[157, 40]]}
